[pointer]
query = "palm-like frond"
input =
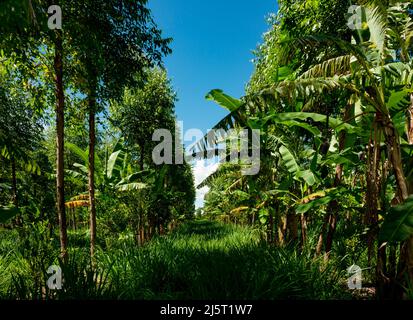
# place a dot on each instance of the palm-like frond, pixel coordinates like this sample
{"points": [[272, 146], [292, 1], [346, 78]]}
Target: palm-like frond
{"points": [[228, 171], [289, 47], [131, 186], [377, 23], [307, 88], [329, 68], [82, 154]]}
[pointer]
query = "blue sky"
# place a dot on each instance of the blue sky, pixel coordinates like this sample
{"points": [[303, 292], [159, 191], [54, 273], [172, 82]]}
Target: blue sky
{"points": [[212, 49]]}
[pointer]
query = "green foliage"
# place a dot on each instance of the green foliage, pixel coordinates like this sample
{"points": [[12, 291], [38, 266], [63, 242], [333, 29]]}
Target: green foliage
{"points": [[331, 104], [205, 260], [224, 100], [398, 224]]}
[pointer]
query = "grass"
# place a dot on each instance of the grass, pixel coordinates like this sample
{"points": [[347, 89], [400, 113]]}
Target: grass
{"points": [[207, 260], [200, 260]]}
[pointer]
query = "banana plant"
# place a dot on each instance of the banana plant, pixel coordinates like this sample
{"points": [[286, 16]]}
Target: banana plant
{"points": [[115, 174]]}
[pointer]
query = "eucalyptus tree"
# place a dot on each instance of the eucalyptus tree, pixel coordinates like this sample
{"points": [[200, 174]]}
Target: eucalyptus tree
{"points": [[26, 36], [113, 42], [144, 109], [141, 111]]}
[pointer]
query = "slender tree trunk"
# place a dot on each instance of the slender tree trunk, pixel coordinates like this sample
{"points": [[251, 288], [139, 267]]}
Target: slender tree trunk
{"points": [[58, 68], [18, 219], [334, 205], [141, 229], [92, 143], [14, 181], [303, 230], [270, 231], [330, 233], [320, 242]]}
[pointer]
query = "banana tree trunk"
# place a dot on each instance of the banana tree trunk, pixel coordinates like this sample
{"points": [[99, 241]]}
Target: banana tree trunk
{"points": [[92, 143], [410, 121], [270, 231], [334, 207], [320, 242], [373, 181], [407, 246], [292, 227], [60, 104], [282, 230], [332, 210], [393, 144]]}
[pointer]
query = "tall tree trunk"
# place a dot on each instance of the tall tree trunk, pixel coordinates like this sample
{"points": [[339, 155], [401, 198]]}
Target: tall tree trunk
{"points": [[333, 207], [60, 105], [92, 143]]}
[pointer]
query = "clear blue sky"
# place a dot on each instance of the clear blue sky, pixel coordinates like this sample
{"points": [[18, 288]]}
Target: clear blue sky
{"points": [[212, 49]]}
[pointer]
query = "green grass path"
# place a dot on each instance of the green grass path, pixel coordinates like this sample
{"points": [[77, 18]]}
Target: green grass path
{"points": [[209, 260]]}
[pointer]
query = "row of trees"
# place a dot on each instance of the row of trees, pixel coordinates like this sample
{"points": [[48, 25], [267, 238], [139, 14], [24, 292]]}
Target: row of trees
{"points": [[334, 106], [99, 71]]}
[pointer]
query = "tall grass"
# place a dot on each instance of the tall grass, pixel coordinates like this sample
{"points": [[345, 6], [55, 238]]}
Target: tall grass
{"points": [[205, 260], [201, 260]]}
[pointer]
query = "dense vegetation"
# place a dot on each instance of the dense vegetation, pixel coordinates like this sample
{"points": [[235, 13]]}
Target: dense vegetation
{"points": [[78, 186], [334, 107]]}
